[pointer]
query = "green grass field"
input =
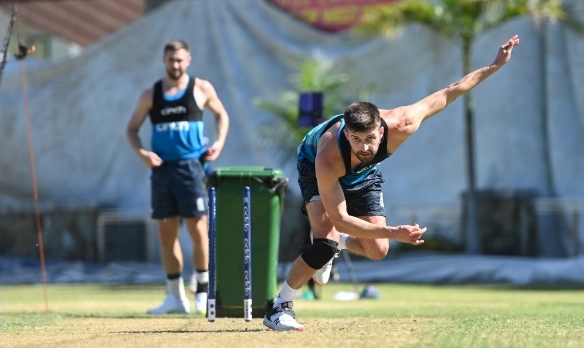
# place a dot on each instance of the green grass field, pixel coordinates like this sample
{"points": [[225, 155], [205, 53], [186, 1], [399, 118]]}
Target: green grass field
{"points": [[403, 316]]}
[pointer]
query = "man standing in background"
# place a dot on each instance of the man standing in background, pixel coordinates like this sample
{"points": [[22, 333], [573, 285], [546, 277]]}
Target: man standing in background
{"points": [[175, 105]]}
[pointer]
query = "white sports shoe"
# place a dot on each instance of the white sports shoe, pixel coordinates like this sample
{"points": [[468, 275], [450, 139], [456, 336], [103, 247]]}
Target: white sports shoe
{"points": [[201, 303], [172, 304], [282, 318]]}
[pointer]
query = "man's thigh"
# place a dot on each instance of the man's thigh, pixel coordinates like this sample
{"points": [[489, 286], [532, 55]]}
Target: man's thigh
{"points": [[320, 223]]}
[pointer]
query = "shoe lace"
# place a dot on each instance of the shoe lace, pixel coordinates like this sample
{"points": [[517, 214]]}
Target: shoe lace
{"points": [[286, 307]]}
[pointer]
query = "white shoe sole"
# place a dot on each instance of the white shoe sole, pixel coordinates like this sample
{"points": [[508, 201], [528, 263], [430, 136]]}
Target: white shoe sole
{"points": [[270, 326]]}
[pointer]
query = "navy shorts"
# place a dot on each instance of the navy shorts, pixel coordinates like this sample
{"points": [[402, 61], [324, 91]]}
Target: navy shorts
{"points": [[364, 198], [178, 189]]}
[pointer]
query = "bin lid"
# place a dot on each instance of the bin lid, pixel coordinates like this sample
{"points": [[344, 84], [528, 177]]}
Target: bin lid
{"points": [[244, 171]]}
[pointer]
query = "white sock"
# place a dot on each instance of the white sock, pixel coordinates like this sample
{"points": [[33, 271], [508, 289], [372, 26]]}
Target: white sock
{"points": [[176, 287], [202, 277], [286, 294], [342, 241]]}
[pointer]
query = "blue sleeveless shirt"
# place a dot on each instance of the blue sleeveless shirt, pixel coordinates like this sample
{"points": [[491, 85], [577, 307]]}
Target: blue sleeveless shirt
{"points": [[177, 124]]}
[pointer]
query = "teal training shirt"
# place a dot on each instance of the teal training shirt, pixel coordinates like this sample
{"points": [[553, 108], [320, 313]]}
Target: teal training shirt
{"points": [[308, 148]]}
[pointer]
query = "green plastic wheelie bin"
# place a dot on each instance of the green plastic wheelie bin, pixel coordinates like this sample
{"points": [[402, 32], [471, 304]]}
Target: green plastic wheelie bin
{"points": [[267, 188]]}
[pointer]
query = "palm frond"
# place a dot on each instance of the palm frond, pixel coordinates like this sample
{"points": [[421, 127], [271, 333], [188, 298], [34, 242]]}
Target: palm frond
{"points": [[564, 11], [387, 18], [315, 73], [466, 18]]}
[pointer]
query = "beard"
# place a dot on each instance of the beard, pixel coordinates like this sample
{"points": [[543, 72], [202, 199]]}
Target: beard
{"points": [[365, 157], [174, 75]]}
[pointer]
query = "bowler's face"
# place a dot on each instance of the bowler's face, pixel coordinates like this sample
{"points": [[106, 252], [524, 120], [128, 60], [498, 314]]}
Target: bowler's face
{"points": [[176, 63], [364, 145]]}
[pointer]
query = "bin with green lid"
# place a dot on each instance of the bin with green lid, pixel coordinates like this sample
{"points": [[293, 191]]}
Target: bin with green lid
{"points": [[267, 188]]}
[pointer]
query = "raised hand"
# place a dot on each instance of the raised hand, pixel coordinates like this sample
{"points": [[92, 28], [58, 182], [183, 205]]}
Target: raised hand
{"points": [[505, 50]]}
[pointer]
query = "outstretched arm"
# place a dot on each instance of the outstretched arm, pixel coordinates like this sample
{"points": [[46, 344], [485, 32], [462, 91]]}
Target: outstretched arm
{"points": [[405, 120], [439, 100]]}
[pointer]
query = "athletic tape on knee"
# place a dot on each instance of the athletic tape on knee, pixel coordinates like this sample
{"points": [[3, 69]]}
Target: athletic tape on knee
{"points": [[320, 252]]}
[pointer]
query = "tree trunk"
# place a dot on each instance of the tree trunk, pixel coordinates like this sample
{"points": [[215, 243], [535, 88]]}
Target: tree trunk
{"points": [[473, 235]]}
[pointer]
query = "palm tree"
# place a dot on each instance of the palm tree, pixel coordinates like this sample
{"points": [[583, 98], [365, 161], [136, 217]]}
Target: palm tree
{"points": [[464, 20], [315, 73]]}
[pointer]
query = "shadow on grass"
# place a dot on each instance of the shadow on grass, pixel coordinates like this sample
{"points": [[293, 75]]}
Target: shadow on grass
{"points": [[531, 287], [498, 286], [157, 332]]}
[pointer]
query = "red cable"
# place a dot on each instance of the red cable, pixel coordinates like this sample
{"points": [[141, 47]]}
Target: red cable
{"points": [[34, 187]]}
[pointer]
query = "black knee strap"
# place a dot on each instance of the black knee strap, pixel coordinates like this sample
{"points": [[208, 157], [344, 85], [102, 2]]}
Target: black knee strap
{"points": [[320, 252]]}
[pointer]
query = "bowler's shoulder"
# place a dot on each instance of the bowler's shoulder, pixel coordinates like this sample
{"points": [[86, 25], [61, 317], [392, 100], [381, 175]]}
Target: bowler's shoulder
{"points": [[329, 162], [393, 117], [328, 144]]}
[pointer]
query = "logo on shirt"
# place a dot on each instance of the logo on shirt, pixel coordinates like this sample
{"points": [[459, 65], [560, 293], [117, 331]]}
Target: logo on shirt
{"points": [[173, 126], [361, 170], [176, 110]]}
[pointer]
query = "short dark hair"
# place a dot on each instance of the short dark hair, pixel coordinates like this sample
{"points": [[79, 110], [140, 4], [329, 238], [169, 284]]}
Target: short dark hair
{"points": [[361, 117], [175, 45]]}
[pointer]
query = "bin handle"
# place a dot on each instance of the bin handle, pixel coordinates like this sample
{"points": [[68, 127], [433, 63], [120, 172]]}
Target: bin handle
{"points": [[280, 185]]}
